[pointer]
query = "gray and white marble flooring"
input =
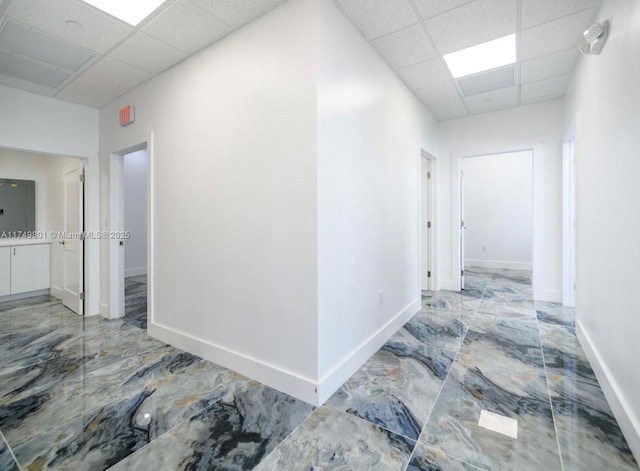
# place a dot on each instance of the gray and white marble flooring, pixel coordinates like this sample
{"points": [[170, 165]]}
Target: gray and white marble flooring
{"points": [[90, 394], [135, 301]]}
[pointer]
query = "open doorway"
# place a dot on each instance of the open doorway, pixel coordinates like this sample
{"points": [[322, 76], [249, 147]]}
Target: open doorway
{"points": [[135, 244], [129, 190], [496, 207], [42, 211]]}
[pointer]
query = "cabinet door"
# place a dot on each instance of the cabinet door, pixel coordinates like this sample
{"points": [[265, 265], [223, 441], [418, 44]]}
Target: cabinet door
{"points": [[29, 268], [5, 271]]}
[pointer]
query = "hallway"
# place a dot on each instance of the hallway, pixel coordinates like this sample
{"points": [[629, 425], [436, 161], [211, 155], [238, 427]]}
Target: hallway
{"points": [[87, 394]]}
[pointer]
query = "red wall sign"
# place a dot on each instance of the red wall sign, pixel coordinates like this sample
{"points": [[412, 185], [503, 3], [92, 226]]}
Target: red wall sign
{"points": [[127, 115]]}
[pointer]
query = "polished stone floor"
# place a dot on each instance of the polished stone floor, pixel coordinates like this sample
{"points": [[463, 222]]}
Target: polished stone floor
{"points": [[135, 301], [486, 379]]}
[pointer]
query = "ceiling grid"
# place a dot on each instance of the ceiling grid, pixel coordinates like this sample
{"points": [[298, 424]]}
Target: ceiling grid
{"points": [[71, 50]]}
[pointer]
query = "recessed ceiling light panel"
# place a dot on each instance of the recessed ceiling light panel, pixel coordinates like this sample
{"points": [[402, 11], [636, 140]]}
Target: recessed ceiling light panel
{"points": [[131, 11], [481, 57]]}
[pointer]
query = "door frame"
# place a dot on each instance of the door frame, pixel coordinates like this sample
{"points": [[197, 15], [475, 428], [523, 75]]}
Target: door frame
{"points": [[116, 225], [432, 235], [456, 204], [569, 265]]}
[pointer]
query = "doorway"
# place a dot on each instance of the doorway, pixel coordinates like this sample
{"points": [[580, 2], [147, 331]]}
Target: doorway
{"points": [[496, 212], [428, 261], [129, 203]]}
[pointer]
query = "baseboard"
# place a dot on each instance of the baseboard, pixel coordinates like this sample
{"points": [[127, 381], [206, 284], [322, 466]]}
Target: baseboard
{"points": [[549, 295], [341, 373], [504, 264], [288, 382], [629, 424], [56, 292], [29, 294], [104, 310], [135, 271]]}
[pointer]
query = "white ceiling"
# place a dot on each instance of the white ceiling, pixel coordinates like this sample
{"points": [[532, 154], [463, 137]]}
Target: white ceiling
{"points": [[75, 52], [413, 35]]}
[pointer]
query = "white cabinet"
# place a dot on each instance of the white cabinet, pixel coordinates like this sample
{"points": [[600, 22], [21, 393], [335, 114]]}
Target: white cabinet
{"points": [[30, 268], [5, 271]]}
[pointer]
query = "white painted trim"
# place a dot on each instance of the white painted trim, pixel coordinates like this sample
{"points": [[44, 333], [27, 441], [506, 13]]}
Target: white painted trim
{"points": [[506, 264], [104, 310], [433, 283], [343, 371], [568, 221], [56, 292], [449, 285], [286, 381], [456, 167], [28, 294], [629, 424], [135, 271]]}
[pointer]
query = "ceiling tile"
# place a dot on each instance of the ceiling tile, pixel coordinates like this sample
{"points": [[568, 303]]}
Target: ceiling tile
{"points": [[438, 93], [545, 67], [15, 82], [448, 109], [26, 69], [472, 24], [490, 80], [535, 12], [89, 93], [495, 100], [147, 53], [429, 8], [238, 12], [375, 18], [186, 27], [423, 74], [99, 32], [117, 74], [405, 47], [544, 89], [554, 36], [32, 43]]}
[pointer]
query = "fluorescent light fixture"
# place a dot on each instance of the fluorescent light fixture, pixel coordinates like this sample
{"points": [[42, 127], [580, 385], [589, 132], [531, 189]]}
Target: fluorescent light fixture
{"points": [[131, 11], [481, 57]]}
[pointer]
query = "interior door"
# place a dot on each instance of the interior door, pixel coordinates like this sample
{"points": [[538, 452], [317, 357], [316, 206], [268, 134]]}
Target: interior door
{"points": [[73, 242], [462, 229], [425, 175]]}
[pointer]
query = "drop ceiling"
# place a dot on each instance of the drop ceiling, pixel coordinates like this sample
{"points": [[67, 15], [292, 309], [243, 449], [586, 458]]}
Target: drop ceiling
{"points": [[72, 51]]}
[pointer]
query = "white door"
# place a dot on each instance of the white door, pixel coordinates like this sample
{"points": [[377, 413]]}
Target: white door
{"points": [[73, 242], [426, 248], [462, 228]]}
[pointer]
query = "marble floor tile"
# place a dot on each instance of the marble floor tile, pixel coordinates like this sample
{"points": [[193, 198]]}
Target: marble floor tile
{"points": [[516, 308], [554, 313], [23, 411], [439, 328], [588, 433], [454, 429], [7, 462], [332, 440], [108, 434], [563, 353], [397, 387], [430, 459], [135, 301], [235, 433]]}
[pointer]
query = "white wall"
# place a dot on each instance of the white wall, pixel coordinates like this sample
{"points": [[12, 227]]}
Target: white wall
{"points": [[604, 106], [135, 212], [233, 195], [536, 126], [498, 210], [48, 173], [35, 123], [370, 131]]}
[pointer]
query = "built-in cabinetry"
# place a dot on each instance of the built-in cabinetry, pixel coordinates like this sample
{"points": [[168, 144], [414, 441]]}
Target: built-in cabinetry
{"points": [[24, 268]]}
